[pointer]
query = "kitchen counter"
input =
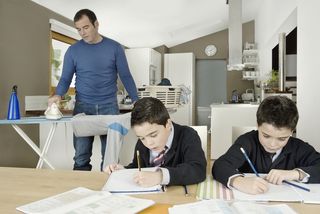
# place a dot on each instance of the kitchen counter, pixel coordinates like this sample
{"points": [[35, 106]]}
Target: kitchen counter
{"points": [[122, 107], [125, 107]]}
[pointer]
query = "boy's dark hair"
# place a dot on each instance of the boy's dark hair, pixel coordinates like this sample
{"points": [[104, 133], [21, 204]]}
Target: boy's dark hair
{"points": [[151, 110], [279, 111], [85, 12]]}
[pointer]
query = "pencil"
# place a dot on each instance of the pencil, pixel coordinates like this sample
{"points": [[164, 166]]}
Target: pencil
{"points": [[138, 160], [185, 190], [255, 171]]}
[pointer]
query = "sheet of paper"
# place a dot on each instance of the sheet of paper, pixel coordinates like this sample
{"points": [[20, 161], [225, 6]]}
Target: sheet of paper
{"points": [[202, 207], [223, 207], [121, 182], [82, 200], [253, 208], [312, 197]]}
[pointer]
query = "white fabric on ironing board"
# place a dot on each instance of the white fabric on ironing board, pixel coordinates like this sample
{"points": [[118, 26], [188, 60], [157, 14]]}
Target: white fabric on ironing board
{"points": [[115, 126]]}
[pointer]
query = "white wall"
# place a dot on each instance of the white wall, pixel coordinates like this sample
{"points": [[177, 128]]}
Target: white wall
{"points": [[277, 16], [274, 17], [308, 71]]}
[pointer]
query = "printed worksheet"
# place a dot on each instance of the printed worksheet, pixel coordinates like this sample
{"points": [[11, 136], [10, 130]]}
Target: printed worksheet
{"points": [[82, 200]]}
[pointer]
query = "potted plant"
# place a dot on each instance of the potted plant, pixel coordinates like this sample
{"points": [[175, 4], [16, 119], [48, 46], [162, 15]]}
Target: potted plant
{"points": [[272, 83]]}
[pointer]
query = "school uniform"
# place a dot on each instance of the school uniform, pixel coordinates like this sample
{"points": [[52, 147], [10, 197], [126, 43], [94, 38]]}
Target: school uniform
{"points": [[184, 160], [296, 154]]}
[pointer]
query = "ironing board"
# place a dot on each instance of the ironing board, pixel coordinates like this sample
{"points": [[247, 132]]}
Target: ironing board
{"points": [[36, 120]]}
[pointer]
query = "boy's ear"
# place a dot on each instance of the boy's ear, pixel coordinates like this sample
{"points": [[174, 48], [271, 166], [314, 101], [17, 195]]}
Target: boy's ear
{"points": [[169, 123]]}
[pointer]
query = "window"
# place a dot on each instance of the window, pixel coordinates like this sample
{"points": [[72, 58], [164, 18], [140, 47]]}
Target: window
{"points": [[61, 37], [59, 45]]}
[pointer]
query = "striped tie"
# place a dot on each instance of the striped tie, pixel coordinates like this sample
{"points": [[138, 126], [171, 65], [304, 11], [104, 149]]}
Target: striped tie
{"points": [[159, 160]]}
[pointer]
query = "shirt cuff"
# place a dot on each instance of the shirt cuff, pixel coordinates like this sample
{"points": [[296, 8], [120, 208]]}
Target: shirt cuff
{"points": [[306, 176], [165, 176], [229, 180]]}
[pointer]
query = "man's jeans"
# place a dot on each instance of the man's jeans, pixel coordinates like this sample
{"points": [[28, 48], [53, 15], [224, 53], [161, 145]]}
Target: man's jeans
{"points": [[83, 145]]}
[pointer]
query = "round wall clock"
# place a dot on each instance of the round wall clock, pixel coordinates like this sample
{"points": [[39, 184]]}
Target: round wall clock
{"points": [[210, 50]]}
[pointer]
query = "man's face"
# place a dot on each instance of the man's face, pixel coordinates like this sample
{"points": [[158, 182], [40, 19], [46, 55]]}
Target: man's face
{"points": [[153, 136], [271, 138], [87, 31]]}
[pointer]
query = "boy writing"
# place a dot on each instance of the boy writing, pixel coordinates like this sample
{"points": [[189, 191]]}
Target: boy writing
{"points": [[271, 149], [175, 149]]}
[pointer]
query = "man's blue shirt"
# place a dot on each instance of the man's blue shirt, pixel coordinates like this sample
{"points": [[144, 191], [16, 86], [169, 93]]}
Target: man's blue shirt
{"points": [[96, 67]]}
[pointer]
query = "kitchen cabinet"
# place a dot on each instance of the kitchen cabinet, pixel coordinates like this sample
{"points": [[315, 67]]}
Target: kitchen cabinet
{"points": [[144, 65], [226, 120]]}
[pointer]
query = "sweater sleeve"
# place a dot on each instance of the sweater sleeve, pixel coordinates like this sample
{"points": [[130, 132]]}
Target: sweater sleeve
{"points": [[308, 160], [192, 168], [67, 73]]}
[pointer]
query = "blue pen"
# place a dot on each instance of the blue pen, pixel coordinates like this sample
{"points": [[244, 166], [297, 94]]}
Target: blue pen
{"points": [[249, 161], [255, 172], [296, 185]]}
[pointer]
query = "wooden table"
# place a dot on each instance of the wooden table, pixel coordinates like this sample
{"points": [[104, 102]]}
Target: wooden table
{"points": [[20, 186]]}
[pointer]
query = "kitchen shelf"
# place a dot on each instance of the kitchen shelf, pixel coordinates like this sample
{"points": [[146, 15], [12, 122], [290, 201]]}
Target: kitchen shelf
{"points": [[251, 62], [250, 52]]}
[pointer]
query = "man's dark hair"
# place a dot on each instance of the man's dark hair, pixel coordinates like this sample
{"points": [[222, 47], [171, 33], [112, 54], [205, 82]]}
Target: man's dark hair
{"points": [[278, 111], [85, 12], [151, 110]]}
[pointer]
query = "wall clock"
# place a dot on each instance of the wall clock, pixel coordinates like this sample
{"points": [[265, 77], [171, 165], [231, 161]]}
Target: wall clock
{"points": [[210, 50]]}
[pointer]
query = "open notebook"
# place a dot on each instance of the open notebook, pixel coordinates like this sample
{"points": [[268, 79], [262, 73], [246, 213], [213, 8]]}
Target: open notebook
{"points": [[284, 192], [211, 189], [82, 200], [121, 181]]}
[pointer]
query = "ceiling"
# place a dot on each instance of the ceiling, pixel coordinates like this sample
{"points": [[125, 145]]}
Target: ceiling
{"points": [[152, 23]]}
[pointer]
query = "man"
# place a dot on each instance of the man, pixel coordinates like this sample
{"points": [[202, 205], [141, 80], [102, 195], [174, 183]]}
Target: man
{"points": [[96, 61], [174, 149]]}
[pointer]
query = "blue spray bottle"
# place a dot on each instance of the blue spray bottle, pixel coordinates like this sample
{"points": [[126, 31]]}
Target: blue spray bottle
{"points": [[13, 109]]}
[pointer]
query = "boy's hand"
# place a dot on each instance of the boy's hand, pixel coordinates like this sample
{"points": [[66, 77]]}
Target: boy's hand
{"points": [[112, 167], [250, 185], [148, 179], [276, 176]]}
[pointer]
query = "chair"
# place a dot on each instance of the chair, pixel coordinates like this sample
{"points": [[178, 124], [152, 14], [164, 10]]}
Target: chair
{"points": [[240, 130], [203, 133]]}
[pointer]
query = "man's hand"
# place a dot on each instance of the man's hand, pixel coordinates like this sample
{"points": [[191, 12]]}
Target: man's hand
{"points": [[112, 167], [277, 176], [148, 179], [250, 185], [54, 99]]}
